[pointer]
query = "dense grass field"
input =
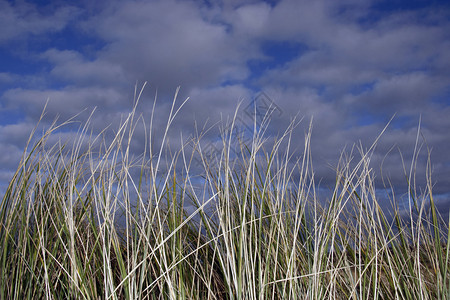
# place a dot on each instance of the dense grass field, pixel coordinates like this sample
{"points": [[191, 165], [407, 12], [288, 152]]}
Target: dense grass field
{"points": [[87, 220]]}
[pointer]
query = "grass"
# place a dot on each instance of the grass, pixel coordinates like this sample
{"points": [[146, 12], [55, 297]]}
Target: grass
{"points": [[87, 220]]}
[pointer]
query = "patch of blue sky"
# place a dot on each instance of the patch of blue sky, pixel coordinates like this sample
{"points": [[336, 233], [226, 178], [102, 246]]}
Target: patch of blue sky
{"points": [[231, 82], [404, 121], [362, 88], [41, 3], [19, 63], [28, 62], [366, 118], [11, 116], [275, 55], [380, 9], [442, 98], [401, 5], [272, 3], [75, 40], [20, 70]]}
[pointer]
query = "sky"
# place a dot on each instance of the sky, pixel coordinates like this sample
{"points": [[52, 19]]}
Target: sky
{"points": [[350, 65]]}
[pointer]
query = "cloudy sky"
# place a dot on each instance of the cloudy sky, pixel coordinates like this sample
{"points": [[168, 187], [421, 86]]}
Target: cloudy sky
{"points": [[351, 65]]}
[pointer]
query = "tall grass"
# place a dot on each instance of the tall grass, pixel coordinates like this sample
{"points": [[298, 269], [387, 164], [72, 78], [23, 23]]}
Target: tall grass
{"points": [[87, 220]]}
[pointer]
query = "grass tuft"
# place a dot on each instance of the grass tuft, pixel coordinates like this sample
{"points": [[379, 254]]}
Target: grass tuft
{"points": [[87, 220]]}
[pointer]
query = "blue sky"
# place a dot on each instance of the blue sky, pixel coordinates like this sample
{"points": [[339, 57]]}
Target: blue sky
{"points": [[350, 64]]}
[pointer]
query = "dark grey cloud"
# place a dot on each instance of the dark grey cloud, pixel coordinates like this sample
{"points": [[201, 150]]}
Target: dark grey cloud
{"points": [[168, 43]]}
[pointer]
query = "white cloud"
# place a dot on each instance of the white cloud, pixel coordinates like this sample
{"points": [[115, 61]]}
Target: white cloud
{"points": [[22, 19], [6, 77], [65, 103], [252, 19], [406, 94], [15, 134], [75, 69]]}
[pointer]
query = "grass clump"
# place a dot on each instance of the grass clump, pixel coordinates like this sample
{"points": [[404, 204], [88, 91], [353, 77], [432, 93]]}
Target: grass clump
{"points": [[89, 221]]}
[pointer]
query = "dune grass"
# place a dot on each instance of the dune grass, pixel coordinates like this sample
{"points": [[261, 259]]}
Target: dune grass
{"points": [[87, 220]]}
